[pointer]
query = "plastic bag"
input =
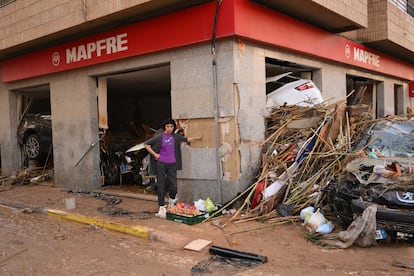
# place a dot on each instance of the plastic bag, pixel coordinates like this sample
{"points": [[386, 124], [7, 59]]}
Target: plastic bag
{"points": [[209, 205], [306, 213], [200, 205]]}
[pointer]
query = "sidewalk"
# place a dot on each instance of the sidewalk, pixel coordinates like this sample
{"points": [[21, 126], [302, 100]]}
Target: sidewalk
{"points": [[285, 246], [123, 209]]}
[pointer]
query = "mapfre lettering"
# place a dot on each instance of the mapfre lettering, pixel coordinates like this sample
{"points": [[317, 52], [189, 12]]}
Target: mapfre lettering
{"points": [[366, 57], [96, 49]]}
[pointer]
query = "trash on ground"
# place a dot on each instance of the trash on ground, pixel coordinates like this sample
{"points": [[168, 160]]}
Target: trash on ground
{"points": [[231, 253], [198, 244], [308, 156], [361, 231]]}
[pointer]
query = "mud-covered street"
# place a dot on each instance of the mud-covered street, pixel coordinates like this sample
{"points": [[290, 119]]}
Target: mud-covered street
{"points": [[37, 244]]}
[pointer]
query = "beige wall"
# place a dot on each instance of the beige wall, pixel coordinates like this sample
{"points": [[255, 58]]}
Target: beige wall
{"points": [[387, 22], [23, 21], [355, 10]]}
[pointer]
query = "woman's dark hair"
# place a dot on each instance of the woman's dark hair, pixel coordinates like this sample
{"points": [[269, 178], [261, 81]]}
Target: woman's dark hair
{"points": [[167, 122]]}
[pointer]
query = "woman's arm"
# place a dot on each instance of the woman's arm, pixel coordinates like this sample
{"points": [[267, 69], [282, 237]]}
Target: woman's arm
{"points": [[199, 137], [152, 152]]}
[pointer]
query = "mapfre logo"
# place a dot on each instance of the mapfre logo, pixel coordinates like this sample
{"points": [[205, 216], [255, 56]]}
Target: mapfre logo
{"points": [[347, 51], [362, 56], [55, 59], [92, 50]]}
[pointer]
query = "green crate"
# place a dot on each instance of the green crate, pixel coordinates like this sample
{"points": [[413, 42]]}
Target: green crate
{"points": [[186, 219]]}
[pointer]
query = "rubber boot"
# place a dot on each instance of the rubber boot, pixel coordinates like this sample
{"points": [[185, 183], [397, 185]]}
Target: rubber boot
{"points": [[171, 202], [162, 212]]}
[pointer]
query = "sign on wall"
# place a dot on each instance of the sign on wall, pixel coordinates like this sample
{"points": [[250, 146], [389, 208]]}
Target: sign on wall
{"points": [[411, 89], [195, 25]]}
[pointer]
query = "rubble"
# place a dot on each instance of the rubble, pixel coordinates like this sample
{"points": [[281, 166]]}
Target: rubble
{"points": [[305, 148], [33, 175]]}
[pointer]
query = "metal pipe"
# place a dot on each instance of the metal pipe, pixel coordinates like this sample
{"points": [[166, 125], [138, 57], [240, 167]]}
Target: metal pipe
{"points": [[231, 253], [216, 102]]}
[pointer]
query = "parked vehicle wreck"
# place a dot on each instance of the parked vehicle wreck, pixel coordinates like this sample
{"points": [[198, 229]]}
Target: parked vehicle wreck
{"points": [[116, 162], [287, 89], [119, 163], [312, 158], [34, 132], [35, 136], [382, 177]]}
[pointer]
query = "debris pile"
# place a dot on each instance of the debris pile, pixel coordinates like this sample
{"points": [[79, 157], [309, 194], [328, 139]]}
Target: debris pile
{"points": [[304, 149], [33, 175]]}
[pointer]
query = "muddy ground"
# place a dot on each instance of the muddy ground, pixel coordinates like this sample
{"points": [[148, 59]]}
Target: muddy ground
{"points": [[33, 243]]}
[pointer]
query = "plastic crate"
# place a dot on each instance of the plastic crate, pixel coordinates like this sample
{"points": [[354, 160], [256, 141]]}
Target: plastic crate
{"points": [[186, 219]]}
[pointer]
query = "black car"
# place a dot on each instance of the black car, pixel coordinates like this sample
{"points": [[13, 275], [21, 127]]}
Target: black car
{"points": [[35, 136], [384, 177]]}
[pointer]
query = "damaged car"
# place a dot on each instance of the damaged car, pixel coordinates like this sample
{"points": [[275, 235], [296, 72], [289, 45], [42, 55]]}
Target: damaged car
{"points": [[35, 136], [382, 175], [34, 132], [117, 164], [291, 90]]}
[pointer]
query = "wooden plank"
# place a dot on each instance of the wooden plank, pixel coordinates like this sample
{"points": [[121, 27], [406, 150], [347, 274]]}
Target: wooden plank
{"points": [[198, 244]]}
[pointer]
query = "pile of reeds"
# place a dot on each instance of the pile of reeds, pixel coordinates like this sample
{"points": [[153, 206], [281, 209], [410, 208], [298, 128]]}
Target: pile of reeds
{"points": [[307, 147]]}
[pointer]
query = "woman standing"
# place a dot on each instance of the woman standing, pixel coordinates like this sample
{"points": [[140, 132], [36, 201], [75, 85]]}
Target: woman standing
{"points": [[165, 150]]}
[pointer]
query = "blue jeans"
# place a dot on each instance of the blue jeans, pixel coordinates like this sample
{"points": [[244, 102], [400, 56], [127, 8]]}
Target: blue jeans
{"points": [[166, 173]]}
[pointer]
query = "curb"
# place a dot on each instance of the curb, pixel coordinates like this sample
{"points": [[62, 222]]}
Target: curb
{"points": [[139, 231]]}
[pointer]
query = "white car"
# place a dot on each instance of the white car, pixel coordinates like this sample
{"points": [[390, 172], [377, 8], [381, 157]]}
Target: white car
{"points": [[287, 89]]}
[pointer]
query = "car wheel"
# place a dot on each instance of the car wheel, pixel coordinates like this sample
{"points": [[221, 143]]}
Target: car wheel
{"points": [[110, 171], [32, 146]]}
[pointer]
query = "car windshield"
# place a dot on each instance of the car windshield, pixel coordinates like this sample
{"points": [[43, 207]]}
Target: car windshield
{"points": [[39, 106], [390, 138]]}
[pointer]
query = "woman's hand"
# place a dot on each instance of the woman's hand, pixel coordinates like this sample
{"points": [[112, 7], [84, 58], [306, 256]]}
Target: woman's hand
{"points": [[152, 152], [199, 137]]}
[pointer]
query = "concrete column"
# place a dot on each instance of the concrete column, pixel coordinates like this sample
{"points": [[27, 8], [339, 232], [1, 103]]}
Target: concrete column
{"points": [[192, 82], [73, 98], [333, 85], [250, 77], [10, 151], [241, 99], [380, 95], [389, 98], [399, 98]]}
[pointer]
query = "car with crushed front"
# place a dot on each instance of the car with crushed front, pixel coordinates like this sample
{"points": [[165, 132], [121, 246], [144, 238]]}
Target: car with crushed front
{"points": [[382, 175]]}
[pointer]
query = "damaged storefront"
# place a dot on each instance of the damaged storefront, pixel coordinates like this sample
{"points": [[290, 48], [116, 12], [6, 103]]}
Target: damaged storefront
{"points": [[110, 91]]}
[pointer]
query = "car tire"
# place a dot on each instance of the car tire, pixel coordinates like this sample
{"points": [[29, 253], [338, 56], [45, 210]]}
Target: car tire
{"points": [[31, 146]]}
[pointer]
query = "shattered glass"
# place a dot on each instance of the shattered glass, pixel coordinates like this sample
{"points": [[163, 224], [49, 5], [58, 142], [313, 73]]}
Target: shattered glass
{"points": [[391, 139]]}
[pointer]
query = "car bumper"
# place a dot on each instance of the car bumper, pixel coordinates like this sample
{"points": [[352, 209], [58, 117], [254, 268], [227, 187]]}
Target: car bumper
{"points": [[391, 220]]}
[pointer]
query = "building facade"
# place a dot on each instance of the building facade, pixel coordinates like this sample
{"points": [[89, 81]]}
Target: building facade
{"points": [[203, 63]]}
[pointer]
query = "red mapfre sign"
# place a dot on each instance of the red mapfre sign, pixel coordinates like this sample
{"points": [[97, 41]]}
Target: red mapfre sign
{"points": [[161, 33], [241, 19], [411, 89]]}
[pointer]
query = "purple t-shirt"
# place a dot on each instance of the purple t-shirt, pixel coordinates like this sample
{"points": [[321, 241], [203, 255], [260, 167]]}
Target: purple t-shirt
{"points": [[167, 152]]}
